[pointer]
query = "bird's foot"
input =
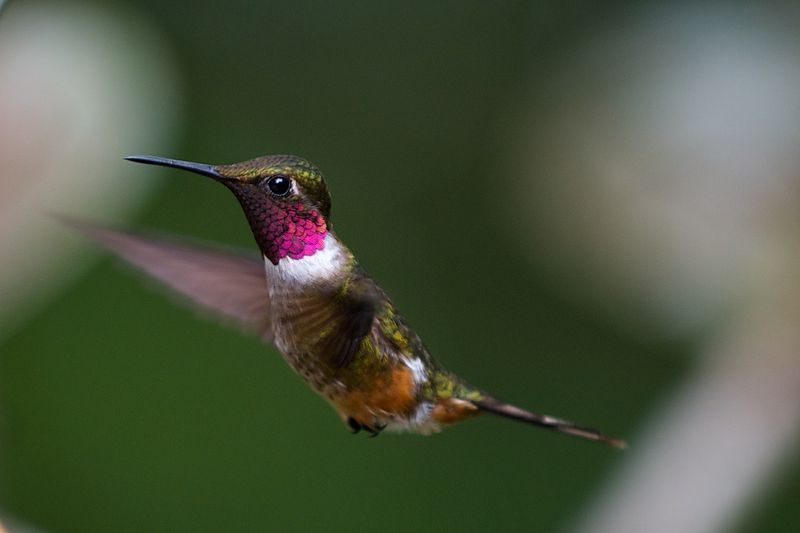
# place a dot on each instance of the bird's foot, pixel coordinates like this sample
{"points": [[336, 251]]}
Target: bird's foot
{"points": [[374, 430], [355, 427]]}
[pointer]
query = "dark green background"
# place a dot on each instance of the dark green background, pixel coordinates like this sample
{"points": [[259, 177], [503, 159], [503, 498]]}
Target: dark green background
{"points": [[122, 412]]}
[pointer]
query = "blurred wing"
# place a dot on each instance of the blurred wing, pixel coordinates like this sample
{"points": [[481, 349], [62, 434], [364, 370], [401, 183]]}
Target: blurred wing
{"points": [[227, 283], [356, 307], [336, 323]]}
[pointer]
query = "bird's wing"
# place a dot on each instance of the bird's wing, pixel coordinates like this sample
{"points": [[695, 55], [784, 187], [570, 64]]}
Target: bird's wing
{"points": [[336, 320], [227, 283], [358, 306]]}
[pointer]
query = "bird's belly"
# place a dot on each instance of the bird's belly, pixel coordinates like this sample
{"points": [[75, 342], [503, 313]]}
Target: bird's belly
{"points": [[308, 364], [385, 395]]}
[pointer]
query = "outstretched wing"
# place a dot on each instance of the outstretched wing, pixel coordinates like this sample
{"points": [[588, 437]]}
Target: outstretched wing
{"points": [[231, 284]]}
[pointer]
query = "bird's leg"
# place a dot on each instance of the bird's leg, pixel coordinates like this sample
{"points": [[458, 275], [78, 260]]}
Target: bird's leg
{"points": [[355, 427], [375, 430]]}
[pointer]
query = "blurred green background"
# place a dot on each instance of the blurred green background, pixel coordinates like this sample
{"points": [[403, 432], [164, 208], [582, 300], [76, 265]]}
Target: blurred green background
{"points": [[121, 412]]}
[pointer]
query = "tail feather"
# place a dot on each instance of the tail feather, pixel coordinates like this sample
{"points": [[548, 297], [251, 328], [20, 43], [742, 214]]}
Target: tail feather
{"points": [[492, 405]]}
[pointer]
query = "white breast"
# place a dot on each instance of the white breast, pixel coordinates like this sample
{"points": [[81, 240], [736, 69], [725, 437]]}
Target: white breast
{"points": [[325, 265]]}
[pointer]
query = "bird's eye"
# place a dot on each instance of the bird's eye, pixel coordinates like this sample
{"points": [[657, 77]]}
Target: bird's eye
{"points": [[279, 185]]}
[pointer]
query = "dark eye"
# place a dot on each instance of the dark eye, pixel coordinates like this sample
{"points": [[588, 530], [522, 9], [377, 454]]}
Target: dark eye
{"points": [[279, 185]]}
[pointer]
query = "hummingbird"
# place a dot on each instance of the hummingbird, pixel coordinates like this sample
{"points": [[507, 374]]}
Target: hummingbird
{"points": [[307, 295]]}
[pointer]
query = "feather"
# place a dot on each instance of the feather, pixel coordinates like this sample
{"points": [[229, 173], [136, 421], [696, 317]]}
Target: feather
{"points": [[497, 407], [228, 283]]}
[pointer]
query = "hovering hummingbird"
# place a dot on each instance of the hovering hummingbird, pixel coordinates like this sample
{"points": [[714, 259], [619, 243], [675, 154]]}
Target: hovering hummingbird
{"points": [[309, 297]]}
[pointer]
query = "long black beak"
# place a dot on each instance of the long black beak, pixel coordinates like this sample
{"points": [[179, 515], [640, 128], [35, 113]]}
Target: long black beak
{"points": [[197, 168]]}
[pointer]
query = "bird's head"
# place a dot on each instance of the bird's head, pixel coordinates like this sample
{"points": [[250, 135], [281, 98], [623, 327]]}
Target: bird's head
{"points": [[284, 198]]}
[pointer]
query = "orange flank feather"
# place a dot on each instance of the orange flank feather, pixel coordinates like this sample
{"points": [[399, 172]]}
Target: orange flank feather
{"points": [[451, 410], [392, 394]]}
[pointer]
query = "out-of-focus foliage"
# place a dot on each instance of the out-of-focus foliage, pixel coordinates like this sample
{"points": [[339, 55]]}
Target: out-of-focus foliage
{"points": [[122, 412]]}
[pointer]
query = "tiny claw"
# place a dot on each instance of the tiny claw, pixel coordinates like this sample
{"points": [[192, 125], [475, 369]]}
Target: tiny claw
{"points": [[375, 431], [355, 427]]}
